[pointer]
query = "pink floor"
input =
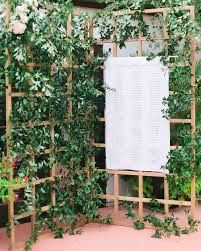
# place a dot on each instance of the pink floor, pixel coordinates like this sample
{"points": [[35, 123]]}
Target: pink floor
{"points": [[96, 237]]}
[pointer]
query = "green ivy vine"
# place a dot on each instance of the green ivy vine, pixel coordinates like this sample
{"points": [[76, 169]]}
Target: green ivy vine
{"points": [[164, 226], [176, 53], [38, 34]]}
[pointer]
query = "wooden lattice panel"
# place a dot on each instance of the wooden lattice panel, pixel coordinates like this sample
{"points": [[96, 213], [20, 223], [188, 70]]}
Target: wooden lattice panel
{"points": [[116, 173], [116, 196]]}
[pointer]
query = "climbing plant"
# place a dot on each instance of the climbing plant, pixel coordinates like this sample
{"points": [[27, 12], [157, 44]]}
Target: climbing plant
{"points": [[52, 122], [146, 4], [175, 52], [164, 226], [53, 114]]}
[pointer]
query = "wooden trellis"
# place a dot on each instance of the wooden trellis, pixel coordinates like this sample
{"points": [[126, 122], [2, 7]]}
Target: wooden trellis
{"points": [[116, 196], [10, 94]]}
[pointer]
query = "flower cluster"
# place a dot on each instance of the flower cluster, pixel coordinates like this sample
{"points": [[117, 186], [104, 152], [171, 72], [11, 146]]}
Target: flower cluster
{"points": [[22, 13]]}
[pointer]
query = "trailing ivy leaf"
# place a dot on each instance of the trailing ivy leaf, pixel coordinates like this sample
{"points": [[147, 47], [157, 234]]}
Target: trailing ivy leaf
{"points": [[158, 234], [138, 225]]}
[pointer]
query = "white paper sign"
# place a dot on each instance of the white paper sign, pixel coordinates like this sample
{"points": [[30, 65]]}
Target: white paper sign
{"points": [[137, 135]]}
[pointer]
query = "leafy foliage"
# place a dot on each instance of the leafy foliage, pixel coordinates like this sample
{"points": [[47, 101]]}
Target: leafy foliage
{"points": [[133, 184], [164, 227], [5, 182], [176, 53], [56, 71], [45, 132]]}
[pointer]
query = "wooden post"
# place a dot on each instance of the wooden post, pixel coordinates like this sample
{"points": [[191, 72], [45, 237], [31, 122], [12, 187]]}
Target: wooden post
{"points": [[193, 112], [165, 32], [116, 197], [166, 185], [8, 132], [70, 77], [114, 45], [53, 169], [140, 47], [141, 195], [33, 217], [31, 125], [91, 58], [166, 195]]}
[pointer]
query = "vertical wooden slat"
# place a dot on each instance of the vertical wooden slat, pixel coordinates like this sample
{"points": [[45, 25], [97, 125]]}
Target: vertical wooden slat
{"points": [[166, 35], [8, 132], [166, 195], [53, 169], [141, 193], [165, 32], [91, 35], [116, 177], [116, 200], [8, 85], [114, 45], [52, 147], [11, 213], [70, 77], [89, 59], [32, 157], [140, 45], [33, 217], [193, 111]]}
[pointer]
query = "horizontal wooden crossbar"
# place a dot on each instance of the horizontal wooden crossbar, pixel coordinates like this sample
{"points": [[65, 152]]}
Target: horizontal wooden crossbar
{"points": [[102, 42], [42, 123], [173, 121], [42, 94], [36, 182], [145, 200], [103, 145], [153, 11], [134, 173], [65, 66], [38, 94], [30, 213]]}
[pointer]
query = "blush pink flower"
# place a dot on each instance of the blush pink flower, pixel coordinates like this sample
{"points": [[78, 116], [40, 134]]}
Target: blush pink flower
{"points": [[18, 27]]}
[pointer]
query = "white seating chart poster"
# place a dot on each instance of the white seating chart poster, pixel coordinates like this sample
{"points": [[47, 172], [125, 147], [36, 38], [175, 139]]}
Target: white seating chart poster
{"points": [[137, 135]]}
